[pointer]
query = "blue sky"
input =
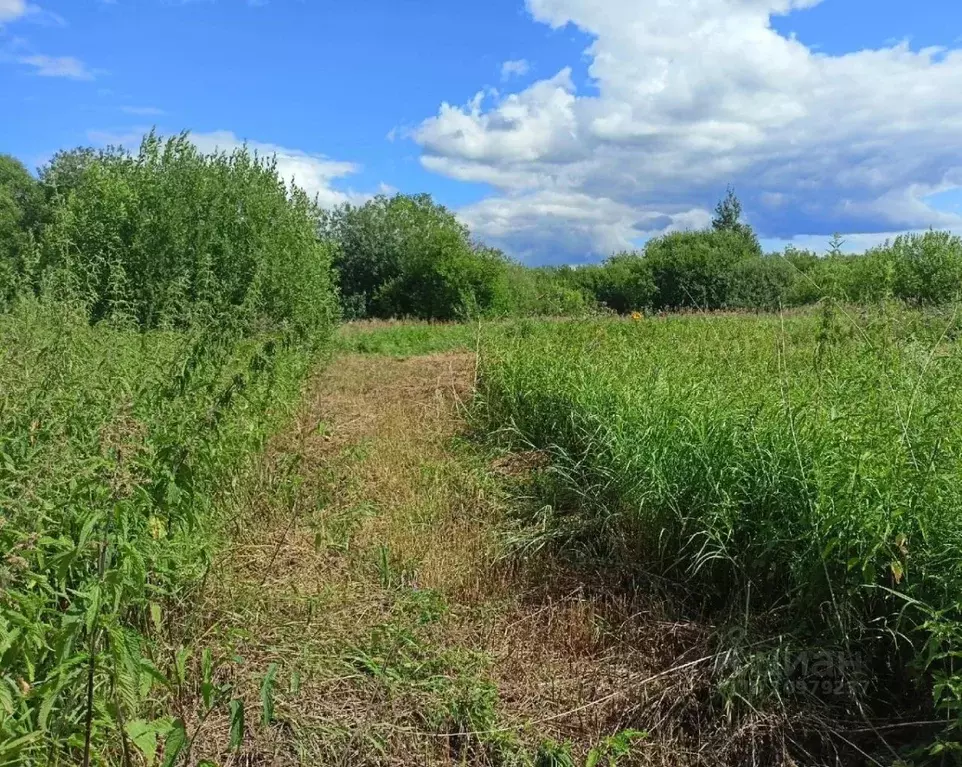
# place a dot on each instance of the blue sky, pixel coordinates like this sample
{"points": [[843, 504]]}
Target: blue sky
{"points": [[560, 130]]}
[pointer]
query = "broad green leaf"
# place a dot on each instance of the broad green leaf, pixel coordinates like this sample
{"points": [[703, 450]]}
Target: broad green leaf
{"points": [[180, 662], [49, 698], [175, 742], [93, 607], [144, 735]]}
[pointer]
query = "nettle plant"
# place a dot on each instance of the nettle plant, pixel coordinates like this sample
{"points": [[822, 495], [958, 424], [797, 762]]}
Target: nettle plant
{"points": [[176, 305]]}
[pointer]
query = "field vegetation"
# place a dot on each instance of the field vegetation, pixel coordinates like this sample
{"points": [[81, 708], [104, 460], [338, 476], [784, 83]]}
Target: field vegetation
{"points": [[409, 257], [796, 476], [696, 504], [165, 307]]}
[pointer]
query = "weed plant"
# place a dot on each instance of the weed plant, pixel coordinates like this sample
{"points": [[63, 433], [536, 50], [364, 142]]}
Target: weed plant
{"points": [[159, 331]]}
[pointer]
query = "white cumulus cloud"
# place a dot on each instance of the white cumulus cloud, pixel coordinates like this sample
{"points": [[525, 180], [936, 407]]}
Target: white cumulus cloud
{"points": [[12, 9], [514, 68], [690, 96]]}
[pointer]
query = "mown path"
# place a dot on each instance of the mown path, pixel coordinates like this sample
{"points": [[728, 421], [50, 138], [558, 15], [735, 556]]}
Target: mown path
{"points": [[367, 578]]}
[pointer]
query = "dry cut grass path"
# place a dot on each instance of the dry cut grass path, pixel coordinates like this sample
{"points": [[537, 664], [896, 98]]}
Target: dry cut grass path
{"points": [[367, 578]]}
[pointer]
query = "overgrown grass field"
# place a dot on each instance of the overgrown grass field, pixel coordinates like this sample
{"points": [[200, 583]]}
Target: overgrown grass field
{"points": [[797, 477], [145, 357], [115, 449], [781, 487]]}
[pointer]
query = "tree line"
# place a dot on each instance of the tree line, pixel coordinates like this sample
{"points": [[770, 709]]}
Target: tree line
{"points": [[166, 235], [408, 256]]}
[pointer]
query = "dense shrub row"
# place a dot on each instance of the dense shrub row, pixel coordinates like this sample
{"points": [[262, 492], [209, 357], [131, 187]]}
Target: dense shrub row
{"points": [[169, 237], [162, 310], [406, 256], [715, 269], [409, 257]]}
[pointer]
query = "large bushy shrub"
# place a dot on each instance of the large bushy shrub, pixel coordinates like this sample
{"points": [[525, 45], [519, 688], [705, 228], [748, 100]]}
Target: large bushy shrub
{"points": [[761, 283], [20, 206], [169, 236], [408, 256], [920, 269], [697, 269], [623, 282], [544, 292], [925, 269], [443, 281]]}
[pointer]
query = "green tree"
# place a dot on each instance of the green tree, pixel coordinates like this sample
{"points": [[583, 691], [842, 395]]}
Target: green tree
{"points": [[926, 269], [169, 236], [20, 209], [65, 170], [624, 282], [698, 269], [408, 256], [22, 188], [728, 213], [545, 291], [761, 283]]}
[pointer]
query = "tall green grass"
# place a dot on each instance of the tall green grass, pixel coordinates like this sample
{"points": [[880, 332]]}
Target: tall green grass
{"points": [[806, 468], [402, 339], [115, 447], [163, 313]]}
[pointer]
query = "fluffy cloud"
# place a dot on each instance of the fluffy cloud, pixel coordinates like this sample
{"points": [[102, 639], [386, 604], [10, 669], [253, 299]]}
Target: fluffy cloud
{"points": [[691, 96], [12, 9], [514, 68], [577, 223]]}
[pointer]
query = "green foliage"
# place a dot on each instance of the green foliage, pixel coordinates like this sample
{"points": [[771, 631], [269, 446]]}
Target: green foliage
{"points": [[169, 237], [761, 283], [163, 310], [22, 188], [728, 213], [66, 170], [20, 207], [724, 268], [698, 269], [804, 468], [406, 256], [444, 282], [543, 292], [919, 269], [113, 447], [926, 269], [623, 283], [267, 695], [615, 748]]}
